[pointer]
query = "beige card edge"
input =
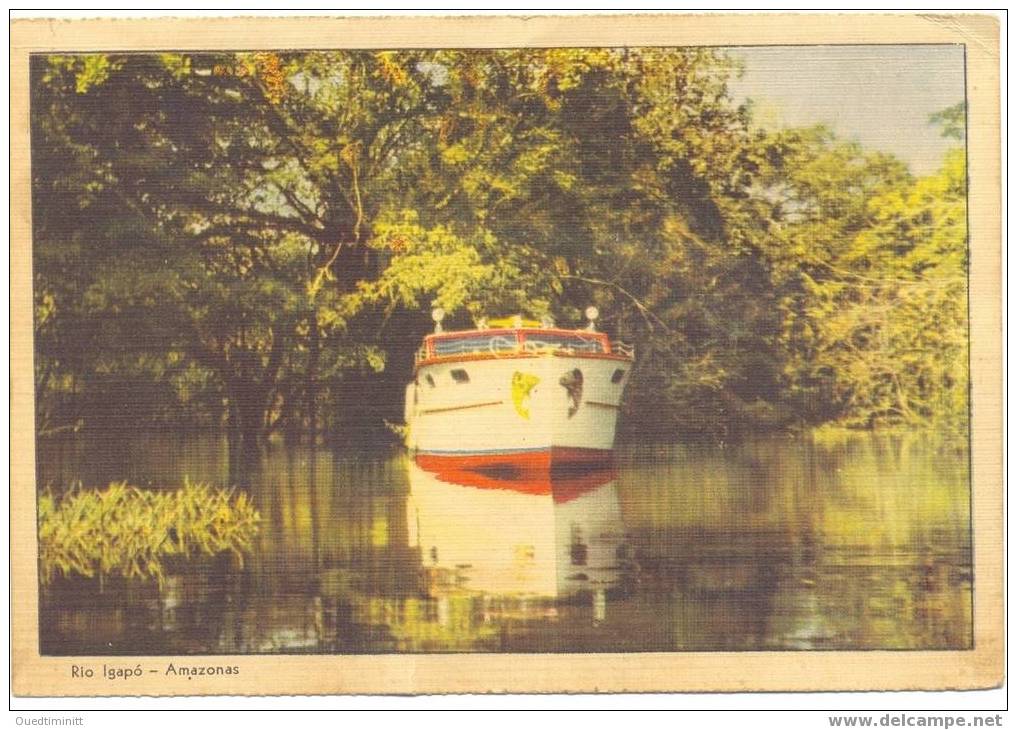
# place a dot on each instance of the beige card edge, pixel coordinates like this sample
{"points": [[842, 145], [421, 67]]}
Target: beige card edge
{"points": [[982, 667]]}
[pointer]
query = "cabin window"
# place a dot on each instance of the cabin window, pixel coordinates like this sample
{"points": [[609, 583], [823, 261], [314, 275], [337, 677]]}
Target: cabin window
{"points": [[460, 376], [618, 375], [430, 380], [536, 341], [477, 343]]}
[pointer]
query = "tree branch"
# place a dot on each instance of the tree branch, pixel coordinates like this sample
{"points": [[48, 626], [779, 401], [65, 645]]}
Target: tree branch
{"points": [[309, 216], [648, 314]]}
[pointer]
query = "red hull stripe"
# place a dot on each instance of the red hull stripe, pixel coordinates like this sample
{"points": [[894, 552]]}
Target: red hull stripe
{"points": [[526, 461], [540, 482]]}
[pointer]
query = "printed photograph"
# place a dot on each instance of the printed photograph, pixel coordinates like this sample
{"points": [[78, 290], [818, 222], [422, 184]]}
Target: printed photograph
{"points": [[523, 350]]}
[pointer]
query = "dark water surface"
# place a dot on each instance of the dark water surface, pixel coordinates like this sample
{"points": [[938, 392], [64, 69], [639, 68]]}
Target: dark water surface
{"points": [[839, 542]]}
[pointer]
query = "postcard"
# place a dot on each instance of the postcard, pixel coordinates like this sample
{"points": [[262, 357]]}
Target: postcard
{"points": [[643, 353]]}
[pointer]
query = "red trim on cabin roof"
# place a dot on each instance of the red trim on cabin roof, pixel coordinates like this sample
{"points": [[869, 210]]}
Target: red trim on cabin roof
{"points": [[506, 330], [474, 356], [518, 333], [463, 334]]}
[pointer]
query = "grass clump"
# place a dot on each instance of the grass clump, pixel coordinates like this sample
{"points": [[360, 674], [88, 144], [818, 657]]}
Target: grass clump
{"points": [[125, 531]]}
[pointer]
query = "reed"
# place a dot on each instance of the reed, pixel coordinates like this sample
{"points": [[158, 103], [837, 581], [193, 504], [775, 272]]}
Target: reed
{"points": [[130, 532]]}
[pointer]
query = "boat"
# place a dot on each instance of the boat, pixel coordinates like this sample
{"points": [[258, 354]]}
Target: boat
{"points": [[515, 394], [566, 536]]}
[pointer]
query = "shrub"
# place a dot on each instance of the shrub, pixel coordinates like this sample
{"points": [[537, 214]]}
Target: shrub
{"points": [[130, 532]]}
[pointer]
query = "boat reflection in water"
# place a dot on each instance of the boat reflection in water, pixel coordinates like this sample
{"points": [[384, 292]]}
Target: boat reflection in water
{"points": [[523, 542]]}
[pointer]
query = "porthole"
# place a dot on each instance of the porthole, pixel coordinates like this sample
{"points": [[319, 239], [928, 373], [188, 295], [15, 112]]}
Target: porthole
{"points": [[460, 376], [618, 375], [430, 380]]}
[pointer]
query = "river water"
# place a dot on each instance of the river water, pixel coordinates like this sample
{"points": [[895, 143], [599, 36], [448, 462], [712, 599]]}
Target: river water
{"points": [[811, 542]]}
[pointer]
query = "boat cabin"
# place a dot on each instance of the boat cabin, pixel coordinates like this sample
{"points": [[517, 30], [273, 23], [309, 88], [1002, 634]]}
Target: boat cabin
{"points": [[515, 394], [518, 338]]}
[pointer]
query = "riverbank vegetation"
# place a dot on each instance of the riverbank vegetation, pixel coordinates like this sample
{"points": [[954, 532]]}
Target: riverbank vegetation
{"points": [[255, 240], [123, 531]]}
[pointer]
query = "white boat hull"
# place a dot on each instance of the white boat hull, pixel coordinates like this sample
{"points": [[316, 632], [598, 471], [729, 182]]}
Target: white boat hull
{"points": [[530, 410]]}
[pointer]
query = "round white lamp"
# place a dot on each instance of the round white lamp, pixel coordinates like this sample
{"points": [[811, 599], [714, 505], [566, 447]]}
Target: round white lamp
{"points": [[437, 314]]}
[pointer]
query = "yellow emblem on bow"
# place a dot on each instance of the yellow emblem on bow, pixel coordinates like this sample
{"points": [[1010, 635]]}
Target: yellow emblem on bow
{"points": [[522, 384]]}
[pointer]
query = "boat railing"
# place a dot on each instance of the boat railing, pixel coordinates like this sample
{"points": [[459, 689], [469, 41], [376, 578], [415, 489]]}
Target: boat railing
{"points": [[537, 343]]}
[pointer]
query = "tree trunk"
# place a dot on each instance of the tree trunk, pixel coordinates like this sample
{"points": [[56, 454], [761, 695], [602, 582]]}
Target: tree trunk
{"points": [[247, 401], [311, 384]]}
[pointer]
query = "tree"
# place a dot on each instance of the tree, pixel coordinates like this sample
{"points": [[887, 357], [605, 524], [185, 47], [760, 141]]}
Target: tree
{"points": [[614, 177], [871, 263], [305, 191], [264, 171], [278, 224]]}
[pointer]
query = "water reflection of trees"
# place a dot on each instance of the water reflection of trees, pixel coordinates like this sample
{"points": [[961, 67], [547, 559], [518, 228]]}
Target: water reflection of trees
{"points": [[841, 542], [856, 543]]}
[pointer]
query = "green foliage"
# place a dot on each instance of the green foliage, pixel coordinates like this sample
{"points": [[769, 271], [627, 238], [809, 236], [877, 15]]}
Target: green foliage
{"points": [[130, 532], [437, 265], [952, 120], [876, 325], [255, 238]]}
